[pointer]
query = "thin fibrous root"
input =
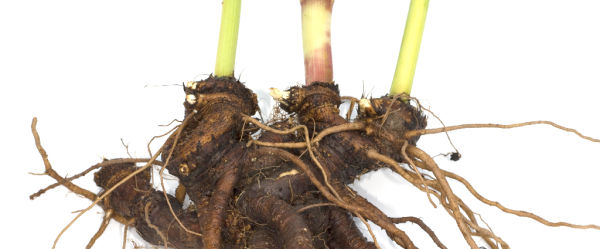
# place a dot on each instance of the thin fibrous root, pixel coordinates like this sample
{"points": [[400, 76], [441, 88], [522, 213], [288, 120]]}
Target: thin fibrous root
{"points": [[496, 204], [297, 145], [105, 163], [512, 211], [373, 213], [103, 225], [353, 102], [423, 161], [307, 143], [420, 106], [362, 219], [423, 226], [147, 218], [441, 185], [50, 172], [76, 189], [162, 169], [159, 136], [125, 236], [302, 209], [404, 240], [412, 164], [324, 173], [414, 133]]}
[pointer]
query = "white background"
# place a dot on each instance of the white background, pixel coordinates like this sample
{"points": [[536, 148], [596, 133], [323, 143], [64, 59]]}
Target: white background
{"points": [[96, 72]]}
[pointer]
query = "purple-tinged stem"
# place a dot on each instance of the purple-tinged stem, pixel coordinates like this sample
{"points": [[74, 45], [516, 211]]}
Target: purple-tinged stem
{"points": [[316, 40]]}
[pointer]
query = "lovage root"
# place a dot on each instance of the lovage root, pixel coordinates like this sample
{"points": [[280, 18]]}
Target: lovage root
{"points": [[284, 186]]}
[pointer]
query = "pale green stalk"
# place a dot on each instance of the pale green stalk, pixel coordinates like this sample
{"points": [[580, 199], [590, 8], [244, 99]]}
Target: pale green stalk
{"points": [[228, 36], [409, 51]]}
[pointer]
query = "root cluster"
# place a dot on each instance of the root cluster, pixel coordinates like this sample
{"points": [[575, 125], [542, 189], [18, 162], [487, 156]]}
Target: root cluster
{"points": [[282, 184]]}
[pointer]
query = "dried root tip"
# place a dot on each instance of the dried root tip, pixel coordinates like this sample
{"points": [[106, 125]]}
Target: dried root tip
{"points": [[365, 106], [184, 169], [191, 85], [191, 99], [279, 95], [288, 173]]}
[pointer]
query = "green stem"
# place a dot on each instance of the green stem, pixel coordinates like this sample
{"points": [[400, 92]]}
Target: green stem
{"points": [[316, 40], [228, 36], [409, 51]]}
